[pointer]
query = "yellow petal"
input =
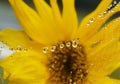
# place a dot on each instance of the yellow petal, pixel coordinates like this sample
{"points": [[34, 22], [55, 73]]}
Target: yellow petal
{"points": [[103, 49], [25, 68], [43, 9], [93, 27], [56, 11], [106, 59], [45, 13], [33, 25], [69, 17], [58, 21], [15, 38], [104, 36], [98, 79]]}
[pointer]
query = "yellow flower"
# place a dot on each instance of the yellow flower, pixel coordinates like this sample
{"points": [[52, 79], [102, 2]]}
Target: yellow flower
{"points": [[53, 49]]}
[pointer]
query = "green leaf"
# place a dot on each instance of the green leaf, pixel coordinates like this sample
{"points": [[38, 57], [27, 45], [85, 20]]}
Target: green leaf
{"points": [[2, 81], [1, 72], [115, 74]]}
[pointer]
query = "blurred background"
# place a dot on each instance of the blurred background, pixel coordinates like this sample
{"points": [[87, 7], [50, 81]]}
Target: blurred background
{"points": [[7, 18]]}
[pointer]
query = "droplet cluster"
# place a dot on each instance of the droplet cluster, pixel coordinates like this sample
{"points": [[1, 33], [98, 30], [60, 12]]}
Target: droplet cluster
{"points": [[74, 44], [18, 49], [110, 9], [6, 50], [67, 63]]}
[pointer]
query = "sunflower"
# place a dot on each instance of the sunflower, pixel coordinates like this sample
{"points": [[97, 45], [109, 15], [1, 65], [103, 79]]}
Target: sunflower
{"points": [[54, 49]]}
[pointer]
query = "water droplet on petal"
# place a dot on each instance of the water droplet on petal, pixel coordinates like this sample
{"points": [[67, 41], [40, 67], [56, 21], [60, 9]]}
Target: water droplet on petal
{"points": [[91, 20], [53, 48], [99, 15], [11, 49], [88, 24], [25, 49], [62, 45], [68, 44], [112, 11], [115, 2], [105, 12], [45, 49], [75, 43], [110, 6], [19, 48]]}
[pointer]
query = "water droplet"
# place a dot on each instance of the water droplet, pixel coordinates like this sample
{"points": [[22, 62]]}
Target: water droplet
{"points": [[88, 24], [75, 43], [99, 15], [110, 6], [19, 48], [11, 49], [62, 45], [112, 11], [53, 48], [115, 2], [91, 20], [68, 44], [45, 49], [25, 49], [105, 12]]}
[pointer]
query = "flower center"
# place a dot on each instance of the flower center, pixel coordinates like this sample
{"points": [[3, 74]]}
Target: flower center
{"points": [[67, 63]]}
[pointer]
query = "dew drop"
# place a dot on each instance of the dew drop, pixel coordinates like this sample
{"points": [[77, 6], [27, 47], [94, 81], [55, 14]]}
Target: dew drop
{"points": [[99, 15], [115, 2], [105, 12], [88, 24], [75, 43], [11, 49], [110, 6], [45, 49], [91, 20], [25, 49], [53, 48], [112, 11], [62, 45], [19, 48], [68, 44]]}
